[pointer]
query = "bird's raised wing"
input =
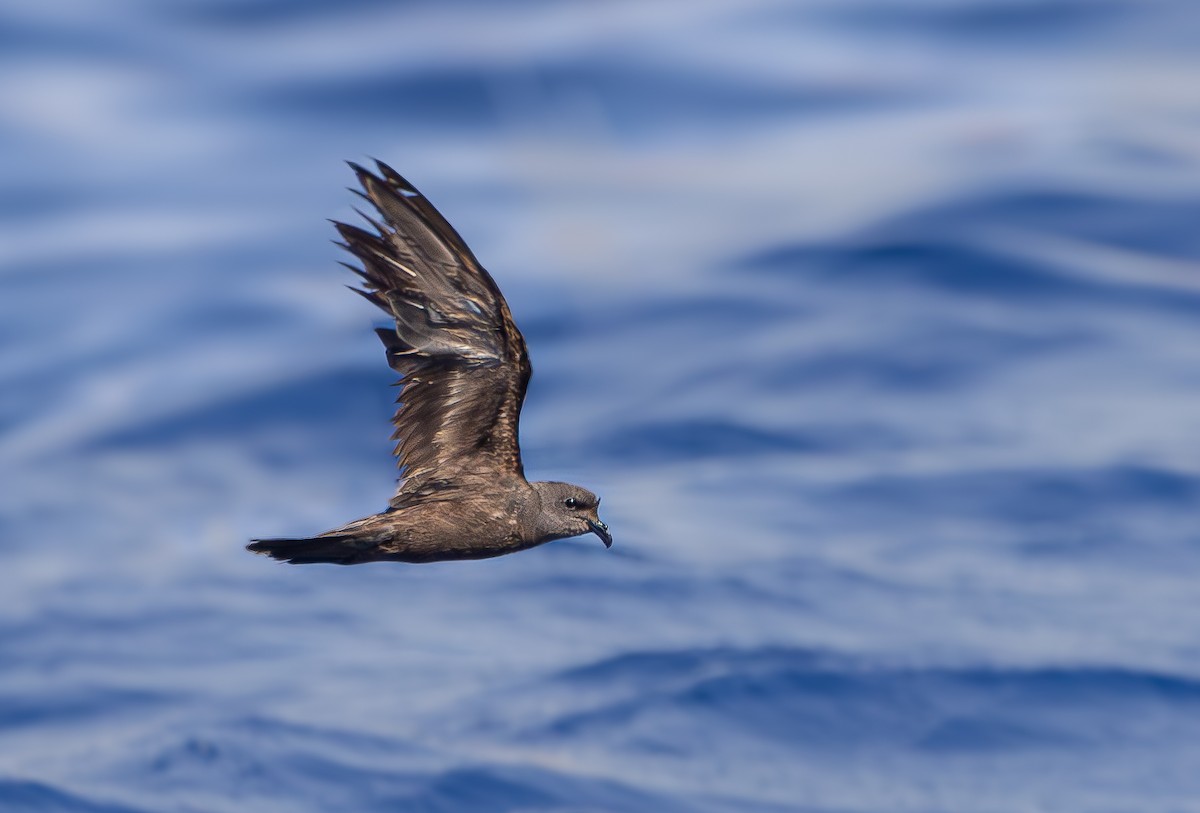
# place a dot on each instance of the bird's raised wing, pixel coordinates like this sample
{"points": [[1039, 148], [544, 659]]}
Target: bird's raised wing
{"points": [[463, 362]]}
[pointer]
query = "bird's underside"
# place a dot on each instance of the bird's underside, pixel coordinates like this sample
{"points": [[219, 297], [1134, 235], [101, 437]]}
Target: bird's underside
{"points": [[464, 370]]}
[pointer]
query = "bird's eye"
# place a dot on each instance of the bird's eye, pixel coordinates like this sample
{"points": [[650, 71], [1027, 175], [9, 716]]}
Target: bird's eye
{"points": [[571, 502]]}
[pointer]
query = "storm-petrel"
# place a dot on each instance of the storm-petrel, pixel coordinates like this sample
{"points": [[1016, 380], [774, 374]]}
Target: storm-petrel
{"points": [[464, 369]]}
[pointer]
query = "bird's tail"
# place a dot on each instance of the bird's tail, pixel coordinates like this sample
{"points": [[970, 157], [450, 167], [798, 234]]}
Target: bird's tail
{"points": [[337, 549]]}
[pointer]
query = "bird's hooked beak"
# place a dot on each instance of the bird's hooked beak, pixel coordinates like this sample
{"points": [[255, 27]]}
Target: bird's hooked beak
{"points": [[601, 530]]}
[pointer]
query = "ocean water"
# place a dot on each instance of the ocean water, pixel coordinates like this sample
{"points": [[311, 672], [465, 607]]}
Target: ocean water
{"points": [[876, 324]]}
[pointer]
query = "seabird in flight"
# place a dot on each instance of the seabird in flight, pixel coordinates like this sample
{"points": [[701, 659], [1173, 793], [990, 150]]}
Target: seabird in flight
{"points": [[464, 369]]}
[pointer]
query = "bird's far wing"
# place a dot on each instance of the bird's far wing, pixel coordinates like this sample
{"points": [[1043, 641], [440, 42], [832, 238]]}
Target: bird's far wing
{"points": [[463, 362]]}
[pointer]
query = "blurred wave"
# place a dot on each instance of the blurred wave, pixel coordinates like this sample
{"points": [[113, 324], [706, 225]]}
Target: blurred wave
{"points": [[873, 323]]}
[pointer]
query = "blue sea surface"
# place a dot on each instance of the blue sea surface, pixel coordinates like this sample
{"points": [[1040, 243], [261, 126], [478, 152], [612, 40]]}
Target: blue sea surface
{"points": [[875, 323]]}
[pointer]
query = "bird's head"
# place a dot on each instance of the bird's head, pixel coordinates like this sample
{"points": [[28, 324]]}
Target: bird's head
{"points": [[568, 510]]}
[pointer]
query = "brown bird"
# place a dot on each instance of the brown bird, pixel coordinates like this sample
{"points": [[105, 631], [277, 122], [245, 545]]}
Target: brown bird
{"points": [[464, 368]]}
